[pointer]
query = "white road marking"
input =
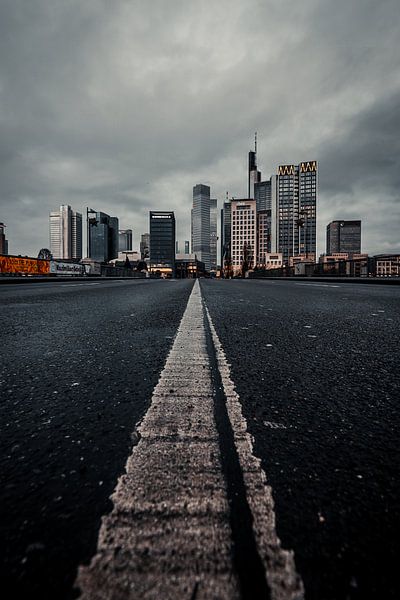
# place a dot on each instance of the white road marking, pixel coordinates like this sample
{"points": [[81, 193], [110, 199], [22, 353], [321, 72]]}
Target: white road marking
{"points": [[319, 284], [168, 535]]}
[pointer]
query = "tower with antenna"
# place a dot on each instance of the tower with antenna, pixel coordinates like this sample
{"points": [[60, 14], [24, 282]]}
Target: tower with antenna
{"points": [[254, 176]]}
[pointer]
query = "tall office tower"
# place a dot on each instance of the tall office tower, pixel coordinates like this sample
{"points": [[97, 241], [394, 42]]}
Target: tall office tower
{"points": [[201, 224], [343, 236], [254, 175], [187, 247], [213, 234], [145, 246], [262, 194], [226, 222], [125, 240], [243, 233], [102, 236], [162, 238], [66, 233], [3, 241], [263, 235], [176, 247], [294, 193]]}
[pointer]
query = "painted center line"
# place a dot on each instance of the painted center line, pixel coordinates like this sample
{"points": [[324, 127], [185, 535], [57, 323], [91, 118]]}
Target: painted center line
{"points": [[193, 502]]}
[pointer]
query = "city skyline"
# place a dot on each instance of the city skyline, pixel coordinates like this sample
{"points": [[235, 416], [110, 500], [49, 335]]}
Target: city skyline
{"points": [[97, 131]]}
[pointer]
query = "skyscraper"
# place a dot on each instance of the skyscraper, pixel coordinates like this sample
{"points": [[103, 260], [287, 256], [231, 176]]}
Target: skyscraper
{"points": [[213, 234], [102, 236], [226, 220], [162, 239], [201, 224], [66, 233], [254, 175], [294, 193], [343, 236], [3, 241], [263, 235], [187, 248], [125, 240], [262, 194]]}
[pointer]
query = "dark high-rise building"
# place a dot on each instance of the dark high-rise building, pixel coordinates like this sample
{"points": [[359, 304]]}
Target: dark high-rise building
{"points": [[3, 241], [213, 234], [176, 247], [125, 240], [145, 246], [254, 175], [102, 236], [187, 247], [262, 195], [343, 236], [226, 221], [263, 235], [294, 193], [201, 224], [162, 238]]}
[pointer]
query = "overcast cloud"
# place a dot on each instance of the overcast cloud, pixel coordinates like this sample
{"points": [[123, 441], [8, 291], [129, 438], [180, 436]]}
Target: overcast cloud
{"points": [[123, 106]]}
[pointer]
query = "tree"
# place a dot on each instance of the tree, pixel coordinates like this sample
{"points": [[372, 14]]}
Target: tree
{"points": [[45, 254]]}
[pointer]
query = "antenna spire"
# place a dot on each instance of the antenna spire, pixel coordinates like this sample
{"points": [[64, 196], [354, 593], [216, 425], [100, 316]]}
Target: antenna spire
{"points": [[255, 142]]}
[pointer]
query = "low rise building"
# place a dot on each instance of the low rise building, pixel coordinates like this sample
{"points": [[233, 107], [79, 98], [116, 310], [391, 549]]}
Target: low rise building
{"points": [[387, 265]]}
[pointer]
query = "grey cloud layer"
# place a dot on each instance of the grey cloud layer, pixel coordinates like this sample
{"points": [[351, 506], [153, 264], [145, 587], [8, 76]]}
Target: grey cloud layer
{"points": [[125, 106]]}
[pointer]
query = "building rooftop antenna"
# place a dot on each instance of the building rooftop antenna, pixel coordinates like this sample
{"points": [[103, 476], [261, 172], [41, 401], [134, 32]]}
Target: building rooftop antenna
{"points": [[255, 142]]}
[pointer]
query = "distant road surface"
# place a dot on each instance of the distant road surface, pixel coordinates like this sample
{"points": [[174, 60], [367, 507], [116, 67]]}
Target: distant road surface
{"points": [[265, 463]]}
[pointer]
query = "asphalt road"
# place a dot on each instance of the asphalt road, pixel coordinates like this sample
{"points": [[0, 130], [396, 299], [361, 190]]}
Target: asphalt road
{"points": [[316, 368], [79, 362]]}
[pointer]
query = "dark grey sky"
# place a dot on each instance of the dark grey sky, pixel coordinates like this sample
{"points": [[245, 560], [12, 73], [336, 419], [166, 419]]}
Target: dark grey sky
{"points": [[123, 106]]}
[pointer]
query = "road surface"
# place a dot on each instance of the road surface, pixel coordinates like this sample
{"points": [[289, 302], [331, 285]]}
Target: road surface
{"points": [[289, 388]]}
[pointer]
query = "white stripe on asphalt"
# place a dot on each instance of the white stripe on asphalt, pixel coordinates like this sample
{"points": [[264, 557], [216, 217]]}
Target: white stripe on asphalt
{"points": [[319, 284], [168, 535]]}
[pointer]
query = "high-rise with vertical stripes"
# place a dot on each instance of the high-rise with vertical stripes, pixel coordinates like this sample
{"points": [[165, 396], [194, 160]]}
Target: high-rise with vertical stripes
{"points": [[201, 224]]}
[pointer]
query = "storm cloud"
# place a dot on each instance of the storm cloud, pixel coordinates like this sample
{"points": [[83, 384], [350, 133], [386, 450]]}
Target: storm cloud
{"points": [[123, 106]]}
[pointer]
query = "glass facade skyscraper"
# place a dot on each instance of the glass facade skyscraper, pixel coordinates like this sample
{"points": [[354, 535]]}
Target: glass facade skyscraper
{"points": [[102, 236], [201, 224], [213, 234], [262, 195], [162, 238]]}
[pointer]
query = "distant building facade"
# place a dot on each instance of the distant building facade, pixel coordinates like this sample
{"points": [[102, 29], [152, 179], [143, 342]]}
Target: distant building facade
{"points": [[201, 224], [3, 240], [226, 225], [343, 236], [294, 193], [162, 240], [262, 195], [243, 234], [187, 247], [102, 236], [145, 246], [66, 233], [213, 234], [263, 235], [254, 175], [387, 265], [125, 240]]}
